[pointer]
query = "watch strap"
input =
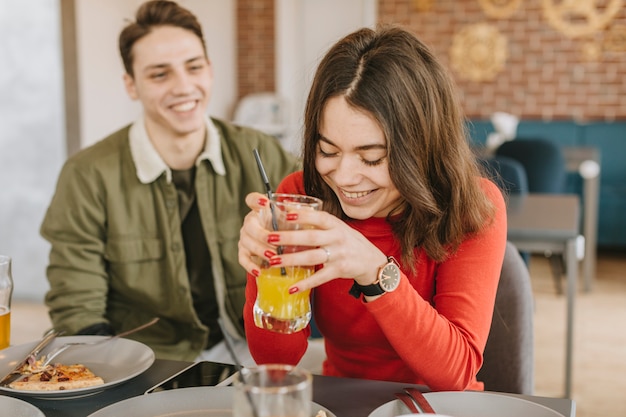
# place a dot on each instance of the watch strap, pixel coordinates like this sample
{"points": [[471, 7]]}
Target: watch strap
{"points": [[370, 290], [373, 289]]}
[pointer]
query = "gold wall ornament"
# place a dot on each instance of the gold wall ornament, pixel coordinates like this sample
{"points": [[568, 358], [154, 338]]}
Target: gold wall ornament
{"points": [[615, 39], [590, 51], [478, 52], [577, 18], [423, 5], [499, 9]]}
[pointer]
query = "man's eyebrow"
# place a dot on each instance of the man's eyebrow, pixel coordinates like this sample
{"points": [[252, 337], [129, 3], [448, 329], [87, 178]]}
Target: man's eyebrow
{"points": [[199, 57], [166, 65], [358, 148]]}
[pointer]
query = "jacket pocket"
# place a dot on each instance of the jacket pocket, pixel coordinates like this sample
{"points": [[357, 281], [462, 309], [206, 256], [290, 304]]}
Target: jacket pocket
{"points": [[133, 250]]}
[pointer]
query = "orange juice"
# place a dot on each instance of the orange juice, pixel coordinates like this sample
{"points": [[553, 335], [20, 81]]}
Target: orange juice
{"points": [[277, 310], [5, 327]]}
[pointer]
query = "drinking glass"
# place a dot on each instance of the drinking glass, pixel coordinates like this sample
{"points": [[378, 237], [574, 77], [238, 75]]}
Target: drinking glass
{"points": [[275, 309], [6, 290], [273, 390]]}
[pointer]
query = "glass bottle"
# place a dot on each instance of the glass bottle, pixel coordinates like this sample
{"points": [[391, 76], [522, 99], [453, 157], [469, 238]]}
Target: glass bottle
{"points": [[6, 291]]}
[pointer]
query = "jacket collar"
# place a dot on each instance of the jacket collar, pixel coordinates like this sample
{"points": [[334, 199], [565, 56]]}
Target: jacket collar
{"points": [[149, 163]]}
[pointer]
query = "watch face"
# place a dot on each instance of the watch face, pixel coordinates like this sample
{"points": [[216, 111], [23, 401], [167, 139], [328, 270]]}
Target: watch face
{"points": [[390, 277]]}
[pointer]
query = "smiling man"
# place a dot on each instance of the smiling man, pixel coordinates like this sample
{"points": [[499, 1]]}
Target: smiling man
{"points": [[145, 222]]}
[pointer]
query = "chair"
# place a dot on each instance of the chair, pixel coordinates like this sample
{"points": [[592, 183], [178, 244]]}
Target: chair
{"points": [[546, 172], [508, 173], [509, 354], [543, 161]]}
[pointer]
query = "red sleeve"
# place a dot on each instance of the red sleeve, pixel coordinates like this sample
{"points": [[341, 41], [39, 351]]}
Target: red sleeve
{"points": [[446, 342], [267, 346]]}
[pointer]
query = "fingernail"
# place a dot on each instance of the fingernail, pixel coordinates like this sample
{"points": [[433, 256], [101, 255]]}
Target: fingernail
{"points": [[268, 254], [293, 290], [276, 261], [273, 238], [255, 272], [262, 202], [292, 216]]}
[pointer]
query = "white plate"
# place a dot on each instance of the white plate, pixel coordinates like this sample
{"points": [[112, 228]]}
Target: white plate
{"points": [[18, 408], [116, 361], [471, 404], [185, 402]]}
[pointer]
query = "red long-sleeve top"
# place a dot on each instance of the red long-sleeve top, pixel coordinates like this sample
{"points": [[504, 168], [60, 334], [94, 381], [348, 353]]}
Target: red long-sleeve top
{"points": [[431, 330]]}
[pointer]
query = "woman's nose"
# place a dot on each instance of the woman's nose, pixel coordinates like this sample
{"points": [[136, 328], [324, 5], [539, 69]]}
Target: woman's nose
{"points": [[347, 171]]}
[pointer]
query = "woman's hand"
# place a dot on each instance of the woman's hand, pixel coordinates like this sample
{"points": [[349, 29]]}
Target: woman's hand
{"points": [[253, 236], [344, 252]]}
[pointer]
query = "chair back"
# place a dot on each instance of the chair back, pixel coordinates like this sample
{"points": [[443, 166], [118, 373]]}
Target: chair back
{"points": [[508, 173], [543, 161], [509, 354]]}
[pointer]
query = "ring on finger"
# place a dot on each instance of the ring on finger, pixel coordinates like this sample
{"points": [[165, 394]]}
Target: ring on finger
{"points": [[327, 254]]}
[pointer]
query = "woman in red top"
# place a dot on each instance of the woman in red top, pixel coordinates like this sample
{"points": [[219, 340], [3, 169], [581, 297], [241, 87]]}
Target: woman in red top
{"points": [[386, 150]]}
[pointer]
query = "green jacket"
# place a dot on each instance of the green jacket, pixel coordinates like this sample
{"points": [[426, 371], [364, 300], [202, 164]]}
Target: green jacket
{"points": [[117, 254]]}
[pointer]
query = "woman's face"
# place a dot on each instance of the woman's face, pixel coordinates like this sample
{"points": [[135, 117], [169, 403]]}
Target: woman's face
{"points": [[352, 159]]}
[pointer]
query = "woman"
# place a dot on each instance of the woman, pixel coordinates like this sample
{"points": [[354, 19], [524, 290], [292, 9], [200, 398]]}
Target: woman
{"points": [[385, 149]]}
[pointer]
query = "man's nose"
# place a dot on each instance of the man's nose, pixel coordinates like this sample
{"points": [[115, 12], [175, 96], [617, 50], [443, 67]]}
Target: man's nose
{"points": [[182, 83]]}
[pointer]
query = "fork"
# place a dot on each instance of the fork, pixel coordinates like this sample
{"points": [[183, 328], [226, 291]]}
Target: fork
{"points": [[58, 350], [408, 401], [419, 399]]}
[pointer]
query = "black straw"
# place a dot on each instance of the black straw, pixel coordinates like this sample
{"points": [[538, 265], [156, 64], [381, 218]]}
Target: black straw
{"points": [[231, 350], [268, 191]]}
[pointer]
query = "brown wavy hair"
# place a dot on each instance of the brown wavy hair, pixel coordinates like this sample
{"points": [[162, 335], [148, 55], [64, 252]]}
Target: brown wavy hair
{"points": [[393, 76], [150, 15]]}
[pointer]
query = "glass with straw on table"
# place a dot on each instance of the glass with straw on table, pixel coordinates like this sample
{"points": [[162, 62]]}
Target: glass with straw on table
{"points": [[274, 390]]}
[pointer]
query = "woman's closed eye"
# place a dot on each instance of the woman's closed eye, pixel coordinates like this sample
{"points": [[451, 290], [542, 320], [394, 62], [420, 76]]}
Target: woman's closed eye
{"points": [[366, 158]]}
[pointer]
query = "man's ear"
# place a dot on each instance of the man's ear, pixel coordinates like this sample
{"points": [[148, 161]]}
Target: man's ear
{"points": [[129, 83]]}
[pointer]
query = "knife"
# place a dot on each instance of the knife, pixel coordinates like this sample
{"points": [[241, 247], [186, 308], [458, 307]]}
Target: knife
{"points": [[47, 339]]}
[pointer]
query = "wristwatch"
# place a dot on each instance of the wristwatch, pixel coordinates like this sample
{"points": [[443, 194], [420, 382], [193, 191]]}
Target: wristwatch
{"points": [[388, 280]]}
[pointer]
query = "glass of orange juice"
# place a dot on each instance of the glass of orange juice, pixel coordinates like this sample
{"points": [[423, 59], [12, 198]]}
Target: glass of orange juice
{"points": [[6, 290], [275, 309]]}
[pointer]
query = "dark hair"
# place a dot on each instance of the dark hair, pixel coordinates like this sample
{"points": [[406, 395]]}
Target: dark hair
{"points": [[394, 77], [150, 15]]}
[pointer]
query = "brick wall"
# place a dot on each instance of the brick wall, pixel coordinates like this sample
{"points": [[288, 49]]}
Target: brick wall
{"points": [[255, 39], [546, 75]]}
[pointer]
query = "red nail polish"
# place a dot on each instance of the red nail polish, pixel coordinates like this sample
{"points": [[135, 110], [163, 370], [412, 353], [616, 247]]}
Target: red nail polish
{"points": [[292, 216], [293, 290], [268, 254], [255, 272], [273, 238], [262, 202], [276, 261]]}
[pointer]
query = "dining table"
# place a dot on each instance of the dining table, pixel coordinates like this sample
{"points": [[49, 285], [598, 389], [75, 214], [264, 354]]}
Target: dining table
{"points": [[549, 223], [344, 397]]}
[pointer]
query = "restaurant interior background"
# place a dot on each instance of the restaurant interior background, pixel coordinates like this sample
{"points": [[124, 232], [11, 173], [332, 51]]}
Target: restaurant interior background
{"points": [[559, 66], [62, 88]]}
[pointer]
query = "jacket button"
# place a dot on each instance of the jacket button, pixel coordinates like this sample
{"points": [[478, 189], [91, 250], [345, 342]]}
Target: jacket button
{"points": [[170, 204], [175, 246]]}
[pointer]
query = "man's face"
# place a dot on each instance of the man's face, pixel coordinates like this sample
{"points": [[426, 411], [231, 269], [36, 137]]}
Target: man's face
{"points": [[172, 79]]}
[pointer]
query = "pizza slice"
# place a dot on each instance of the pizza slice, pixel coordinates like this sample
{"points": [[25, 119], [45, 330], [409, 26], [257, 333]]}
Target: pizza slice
{"points": [[57, 377]]}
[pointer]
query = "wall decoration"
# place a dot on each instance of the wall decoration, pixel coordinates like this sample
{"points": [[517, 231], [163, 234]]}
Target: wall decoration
{"points": [[615, 39], [478, 52], [499, 9], [423, 5], [591, 51], [578, 18]]}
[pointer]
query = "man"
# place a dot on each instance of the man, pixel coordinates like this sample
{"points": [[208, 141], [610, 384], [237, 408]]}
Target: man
{"points": [[146, 222]]}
